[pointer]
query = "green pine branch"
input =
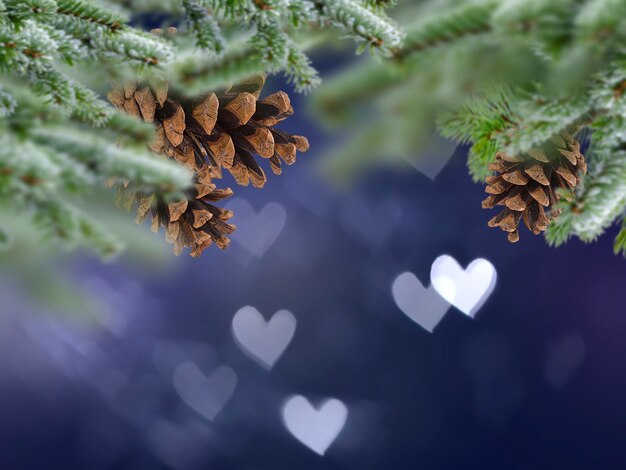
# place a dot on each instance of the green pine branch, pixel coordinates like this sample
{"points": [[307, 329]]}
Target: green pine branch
{"points": [[372, 29], [90, 13], [481, 122], [561, 63], [59, 57], [271, 38], [446, 27], [204, 27]]}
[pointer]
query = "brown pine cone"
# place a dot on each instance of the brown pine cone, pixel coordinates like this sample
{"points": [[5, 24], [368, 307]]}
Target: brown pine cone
{"points": [[528, 185], [208, 134]]}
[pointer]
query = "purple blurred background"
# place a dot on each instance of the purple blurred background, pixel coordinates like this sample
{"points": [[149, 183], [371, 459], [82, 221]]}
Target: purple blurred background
{"points": [[534, 381]]}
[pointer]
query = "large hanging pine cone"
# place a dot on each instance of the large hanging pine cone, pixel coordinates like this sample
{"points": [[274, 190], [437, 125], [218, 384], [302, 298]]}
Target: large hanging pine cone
{"points": [[528, 185], [208, 134]]}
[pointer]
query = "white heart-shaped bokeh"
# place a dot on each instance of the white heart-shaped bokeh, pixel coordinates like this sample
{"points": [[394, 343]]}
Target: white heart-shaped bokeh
{"points": [[312, 192], [563, 360], [433, 155], [372, 220], [206, 395], [257, 232], [264, 341], [466, 289], [169, 354], [424, 306], [315, 428]]}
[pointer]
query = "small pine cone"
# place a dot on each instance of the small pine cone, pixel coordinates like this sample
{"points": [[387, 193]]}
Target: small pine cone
{"points": [[528, 185], [209, 134]]}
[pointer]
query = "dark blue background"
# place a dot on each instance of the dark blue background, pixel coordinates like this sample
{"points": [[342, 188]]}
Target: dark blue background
{"points": [[472, 395]]}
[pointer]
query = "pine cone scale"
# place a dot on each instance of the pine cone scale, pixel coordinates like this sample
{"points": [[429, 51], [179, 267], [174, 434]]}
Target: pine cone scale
{"points": [[238, 111], [567, 175], [516, 202], [255, 139], [516, 177], [539, 194], [146, 103], [204, 114]]}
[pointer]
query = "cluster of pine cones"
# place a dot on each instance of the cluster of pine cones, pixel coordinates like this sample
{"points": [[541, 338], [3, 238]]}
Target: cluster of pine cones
{"points": [[208, 134], [227, 130]]}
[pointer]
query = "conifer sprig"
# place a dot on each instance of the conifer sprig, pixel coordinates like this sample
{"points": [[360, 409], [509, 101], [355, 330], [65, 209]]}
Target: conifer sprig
{"points": [[561, 63], [44, 164], [55, 59], [272, 44]]}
